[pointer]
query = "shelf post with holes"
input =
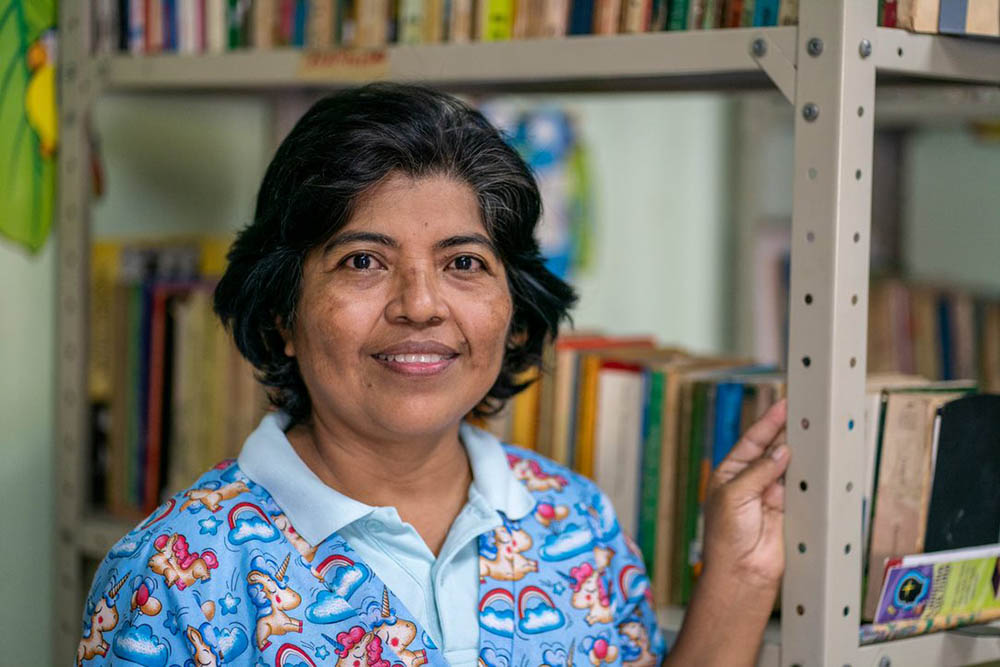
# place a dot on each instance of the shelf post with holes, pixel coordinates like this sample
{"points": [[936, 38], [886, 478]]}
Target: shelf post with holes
{"points": [[828, 296], [73, 248]]}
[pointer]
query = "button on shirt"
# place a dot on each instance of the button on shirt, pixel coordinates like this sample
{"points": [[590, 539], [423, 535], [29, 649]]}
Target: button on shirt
{"points": [[443, 592]]}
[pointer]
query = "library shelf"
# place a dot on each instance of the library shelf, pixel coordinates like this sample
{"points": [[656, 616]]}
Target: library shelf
{"points": [[832, 90], [706, 59]]}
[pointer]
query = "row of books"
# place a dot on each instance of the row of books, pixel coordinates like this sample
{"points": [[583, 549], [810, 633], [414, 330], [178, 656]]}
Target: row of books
{"points": [[214, 26], [648, 424], [169, 393], [936, 332], [932, 510], [953, 17]]}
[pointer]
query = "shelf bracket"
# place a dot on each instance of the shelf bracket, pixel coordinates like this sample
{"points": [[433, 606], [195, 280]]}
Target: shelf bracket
{"points": [[778, 67]]}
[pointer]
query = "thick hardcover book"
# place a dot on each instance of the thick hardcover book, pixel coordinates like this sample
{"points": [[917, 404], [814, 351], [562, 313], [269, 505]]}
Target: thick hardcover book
{"points": [[903, 487], [965, 499]]}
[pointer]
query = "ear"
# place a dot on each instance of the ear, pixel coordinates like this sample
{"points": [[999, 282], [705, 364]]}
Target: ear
{"points": [[286, 335], [194, 636], [255, 578]]}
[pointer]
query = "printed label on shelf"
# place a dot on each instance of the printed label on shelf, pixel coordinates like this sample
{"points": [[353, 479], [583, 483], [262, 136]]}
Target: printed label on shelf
{"points": [[345, 65]]}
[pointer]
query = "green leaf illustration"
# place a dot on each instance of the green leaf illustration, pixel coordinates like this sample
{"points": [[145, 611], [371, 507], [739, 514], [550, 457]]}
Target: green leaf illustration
{"points": [[27, 178]]}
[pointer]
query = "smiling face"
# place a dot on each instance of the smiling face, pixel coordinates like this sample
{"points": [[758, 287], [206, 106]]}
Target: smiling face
{"points": [[403, 315]]}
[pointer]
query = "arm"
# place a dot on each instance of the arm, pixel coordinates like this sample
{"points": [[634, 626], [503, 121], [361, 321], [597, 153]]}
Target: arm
{"points": [[744, 552]]}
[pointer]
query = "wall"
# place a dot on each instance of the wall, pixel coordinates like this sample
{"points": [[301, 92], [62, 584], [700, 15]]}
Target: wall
{"points": [[951, 210], [27, 426]]}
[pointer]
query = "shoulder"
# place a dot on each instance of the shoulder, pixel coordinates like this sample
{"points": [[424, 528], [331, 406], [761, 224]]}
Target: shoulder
{"points": [[541, 475], [195, 540]]}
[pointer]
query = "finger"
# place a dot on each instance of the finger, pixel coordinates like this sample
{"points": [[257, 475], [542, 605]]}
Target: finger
{"points": [[759, 475], [761, 434], [774, 497]]}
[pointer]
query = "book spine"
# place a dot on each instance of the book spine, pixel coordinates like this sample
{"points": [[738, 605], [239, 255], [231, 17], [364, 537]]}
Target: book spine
{"points": [[319, 24], [411, 21], [136, 27], [636, 15], [215, 26], [432, 30], [495, 20], [607, 16], [555, 19], [299, 24], [581, 17], [733, 14], [765, 13], [677, 15], [788, 13], [460, 24], [372, 24], [649, 487], [952, 16]]}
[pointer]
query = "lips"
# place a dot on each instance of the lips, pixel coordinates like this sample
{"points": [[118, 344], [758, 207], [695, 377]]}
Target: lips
{"points": [[417, 358]]}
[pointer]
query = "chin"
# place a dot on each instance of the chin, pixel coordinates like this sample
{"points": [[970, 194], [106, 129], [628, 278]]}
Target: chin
{"points": [[418, 417]]}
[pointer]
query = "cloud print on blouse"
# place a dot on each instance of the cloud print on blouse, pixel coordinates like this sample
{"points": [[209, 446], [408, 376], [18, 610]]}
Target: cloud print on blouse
{"points": [[494, 657], [130, 544], [248, 522], [573, 540], [537, 612], [228, 643], [331, 606], [138, 644], [496, 612]]}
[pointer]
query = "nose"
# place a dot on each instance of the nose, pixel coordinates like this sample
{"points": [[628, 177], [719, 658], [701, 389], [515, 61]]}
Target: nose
{"points": [[416, 299]]}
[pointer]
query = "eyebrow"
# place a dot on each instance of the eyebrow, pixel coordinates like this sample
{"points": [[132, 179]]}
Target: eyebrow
{"points": [[359, 237], [467, 239], [389, 242]]}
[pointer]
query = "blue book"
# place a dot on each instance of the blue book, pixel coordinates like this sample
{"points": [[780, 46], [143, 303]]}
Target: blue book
{"points": [[765, 12], [951, 18], [299, 24], [728, 408], [581, 17], [169, 25]]}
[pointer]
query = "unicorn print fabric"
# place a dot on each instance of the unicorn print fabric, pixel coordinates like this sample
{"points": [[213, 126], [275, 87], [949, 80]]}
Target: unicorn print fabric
{"points": [[219, 576]]}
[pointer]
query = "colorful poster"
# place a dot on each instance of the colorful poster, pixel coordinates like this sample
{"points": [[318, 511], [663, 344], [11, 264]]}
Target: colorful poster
{"points": [[28, 120]]}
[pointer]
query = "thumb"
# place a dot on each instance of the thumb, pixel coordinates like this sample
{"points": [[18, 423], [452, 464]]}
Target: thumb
{"points": [[753, 481]]}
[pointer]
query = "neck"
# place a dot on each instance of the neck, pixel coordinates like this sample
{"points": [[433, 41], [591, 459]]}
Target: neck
{"points": [[425, 478]]}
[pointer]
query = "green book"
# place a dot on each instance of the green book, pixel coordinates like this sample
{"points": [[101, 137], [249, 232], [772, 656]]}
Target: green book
{"points": [[699, 396], [649, 489], [677, 15]]}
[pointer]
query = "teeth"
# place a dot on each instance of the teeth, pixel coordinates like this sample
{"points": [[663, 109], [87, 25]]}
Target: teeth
{"points": [[412, 358]]}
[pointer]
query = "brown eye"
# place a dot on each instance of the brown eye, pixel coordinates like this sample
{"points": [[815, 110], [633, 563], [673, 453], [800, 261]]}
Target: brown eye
{"points": [[362, 261], [467, 263]]}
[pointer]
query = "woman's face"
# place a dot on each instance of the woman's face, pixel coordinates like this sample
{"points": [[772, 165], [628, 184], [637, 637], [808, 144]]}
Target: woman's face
{"points": [[404, 313]]}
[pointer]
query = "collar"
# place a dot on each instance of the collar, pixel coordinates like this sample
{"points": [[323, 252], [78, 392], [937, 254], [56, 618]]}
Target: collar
{"points": [[318, 511]]}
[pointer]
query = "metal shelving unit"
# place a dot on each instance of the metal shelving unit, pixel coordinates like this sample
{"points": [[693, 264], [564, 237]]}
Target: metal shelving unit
{"points": [[827, 68]]}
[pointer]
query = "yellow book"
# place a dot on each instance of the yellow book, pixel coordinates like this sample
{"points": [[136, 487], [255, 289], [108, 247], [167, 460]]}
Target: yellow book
{"points": [[105, 258], [495, 20], [525, 412], [590, 366]]}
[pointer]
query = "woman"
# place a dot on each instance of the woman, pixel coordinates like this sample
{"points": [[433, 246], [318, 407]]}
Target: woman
{"points": [[388, 287]]}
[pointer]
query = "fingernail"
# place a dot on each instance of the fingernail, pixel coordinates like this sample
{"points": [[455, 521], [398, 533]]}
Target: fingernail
{"points": [[779, 453]]}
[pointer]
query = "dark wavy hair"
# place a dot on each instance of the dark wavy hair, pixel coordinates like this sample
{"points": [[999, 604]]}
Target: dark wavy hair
{"points": [[341, 148]]}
